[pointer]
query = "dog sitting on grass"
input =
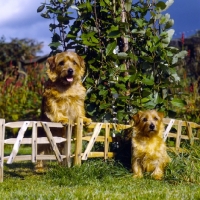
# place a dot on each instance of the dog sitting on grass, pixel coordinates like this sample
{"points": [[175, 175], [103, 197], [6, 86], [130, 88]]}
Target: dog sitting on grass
{"points": [[148, 147]]}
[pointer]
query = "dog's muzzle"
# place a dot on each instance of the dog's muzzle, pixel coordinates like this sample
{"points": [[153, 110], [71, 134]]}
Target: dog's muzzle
{"points": [[152, 127], [70, 73]]}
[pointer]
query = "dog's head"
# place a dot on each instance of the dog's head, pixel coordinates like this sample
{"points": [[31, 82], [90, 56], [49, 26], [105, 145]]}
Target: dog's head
{"points": [[148, 122], [65, 67]]}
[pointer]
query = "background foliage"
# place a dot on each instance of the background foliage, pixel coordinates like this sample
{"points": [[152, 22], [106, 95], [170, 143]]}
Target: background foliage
{"points": [[130, 65], [11, 53], [20, 89]]}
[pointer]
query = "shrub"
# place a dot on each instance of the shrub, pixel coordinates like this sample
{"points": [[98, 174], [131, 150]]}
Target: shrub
{"points": [[21, 94]]}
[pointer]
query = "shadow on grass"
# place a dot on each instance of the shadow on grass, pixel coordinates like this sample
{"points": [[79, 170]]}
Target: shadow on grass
{"points": [[20, 170]]}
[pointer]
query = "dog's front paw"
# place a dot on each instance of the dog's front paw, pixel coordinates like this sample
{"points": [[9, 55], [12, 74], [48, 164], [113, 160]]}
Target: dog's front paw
{"points": [[39, 167], [137, 176], [157, 176], [87, 121], [64, 122]]}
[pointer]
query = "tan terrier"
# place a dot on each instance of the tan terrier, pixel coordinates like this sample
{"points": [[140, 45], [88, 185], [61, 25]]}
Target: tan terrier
{"points": [[149, 149], [64, 95]]}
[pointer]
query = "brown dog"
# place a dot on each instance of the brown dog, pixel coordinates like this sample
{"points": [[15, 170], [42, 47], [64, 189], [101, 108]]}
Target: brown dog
{"points": [[149, 149], [64, 95]]}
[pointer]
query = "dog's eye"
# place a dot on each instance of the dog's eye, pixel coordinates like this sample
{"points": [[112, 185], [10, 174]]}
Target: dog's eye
{"points": [[74, 62], [144, 119], [155, 118], [61, 63]]}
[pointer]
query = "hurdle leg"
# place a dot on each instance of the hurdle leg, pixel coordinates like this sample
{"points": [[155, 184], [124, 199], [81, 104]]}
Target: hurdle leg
{"points": [[67, 147], [106, 142], [78, 142]]}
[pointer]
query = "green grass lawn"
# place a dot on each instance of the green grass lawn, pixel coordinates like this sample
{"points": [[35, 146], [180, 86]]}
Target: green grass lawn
{"points": [[96, 179]]}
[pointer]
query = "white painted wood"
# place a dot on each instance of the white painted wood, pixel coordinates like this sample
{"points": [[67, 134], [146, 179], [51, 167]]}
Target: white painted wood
{"points": [[19, 124], [34, 142], [52, 141], [18, 142], [165, 135], [67, 147], [96, 132], [78, 142], [41, 140], [29, 157]]}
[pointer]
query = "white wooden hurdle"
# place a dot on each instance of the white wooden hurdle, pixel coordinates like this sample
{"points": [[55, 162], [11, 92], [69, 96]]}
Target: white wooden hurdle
{"points": [[33, 141], [178, 125]]}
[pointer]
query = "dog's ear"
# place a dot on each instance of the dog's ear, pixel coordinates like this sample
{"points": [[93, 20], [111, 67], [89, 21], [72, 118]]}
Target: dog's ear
{"points": [[136, 117], [161, 115], [51, 62], [82, 62], [50, 68]]}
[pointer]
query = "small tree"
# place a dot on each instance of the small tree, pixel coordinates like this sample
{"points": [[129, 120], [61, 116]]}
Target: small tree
{"points": [[11, 53], [130, 65]]}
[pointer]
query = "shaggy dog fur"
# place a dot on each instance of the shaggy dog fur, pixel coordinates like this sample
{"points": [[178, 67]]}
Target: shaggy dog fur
{"points": [[149, 150], [64, 95], [63, 99]]}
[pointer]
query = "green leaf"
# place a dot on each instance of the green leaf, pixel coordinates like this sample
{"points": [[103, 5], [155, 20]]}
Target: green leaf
{"points": [[169, 24], [110, 47], [128, 5], [45, 15], [144, 100], [140, 22], [93, 98], [41, 8], [114, 34], [94, 39], [52, 27], [121, 86], [133, 77], [178, 102], [147, 58], [146, 92], [147, 81], [104, 105], [71, 36], [161, 5], [103, 92], [54, 44]]}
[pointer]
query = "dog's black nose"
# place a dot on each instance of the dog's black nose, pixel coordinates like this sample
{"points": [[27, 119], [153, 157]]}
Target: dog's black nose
{"points": [[70, 71], [152, 126]]}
